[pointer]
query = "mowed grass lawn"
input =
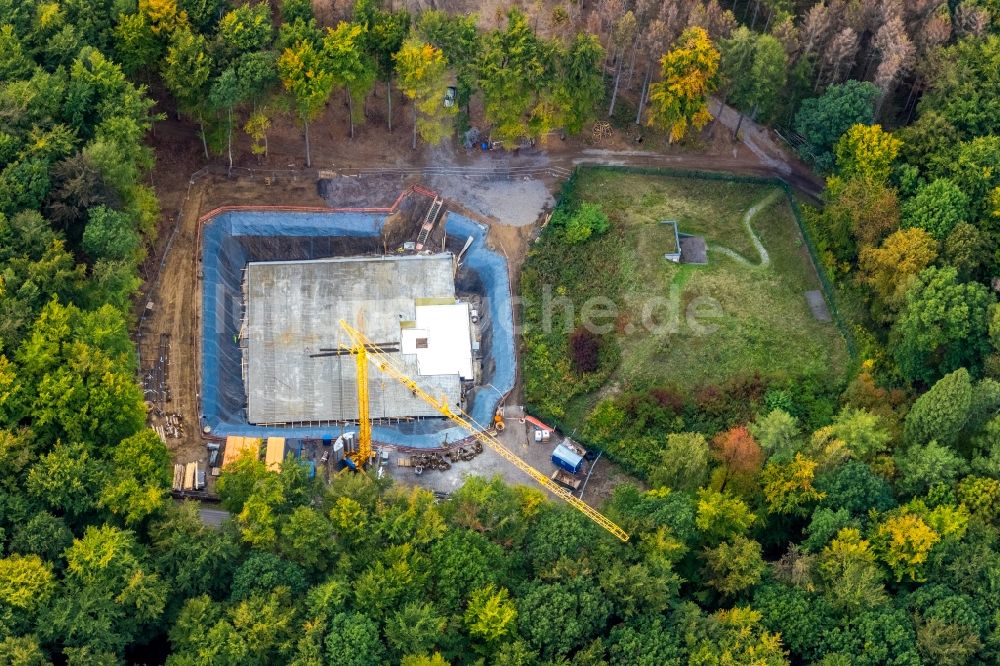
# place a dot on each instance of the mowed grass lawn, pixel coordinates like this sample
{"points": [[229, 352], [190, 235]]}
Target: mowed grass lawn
{"points": [[753, 318]]}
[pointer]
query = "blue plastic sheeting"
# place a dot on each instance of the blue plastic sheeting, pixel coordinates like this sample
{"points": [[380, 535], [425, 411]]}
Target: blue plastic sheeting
{"points": [[233, 239]]}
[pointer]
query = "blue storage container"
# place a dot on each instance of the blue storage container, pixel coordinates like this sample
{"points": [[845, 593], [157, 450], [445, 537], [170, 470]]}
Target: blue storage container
{"points": [[567, 460]]}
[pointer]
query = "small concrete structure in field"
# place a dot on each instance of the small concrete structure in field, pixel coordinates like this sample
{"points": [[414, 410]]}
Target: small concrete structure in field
{"points": [[405, 304], [685, 248]]}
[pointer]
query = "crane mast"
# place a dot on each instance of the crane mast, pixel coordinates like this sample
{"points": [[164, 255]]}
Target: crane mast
{"points": [[364, 453], [364, 351]]}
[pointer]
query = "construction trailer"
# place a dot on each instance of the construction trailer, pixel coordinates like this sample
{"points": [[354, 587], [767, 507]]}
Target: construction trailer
{"points": [[566, 459]]}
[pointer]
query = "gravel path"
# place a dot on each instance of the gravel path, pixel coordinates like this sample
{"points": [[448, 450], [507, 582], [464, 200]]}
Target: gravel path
{"points": [[765, 258]]}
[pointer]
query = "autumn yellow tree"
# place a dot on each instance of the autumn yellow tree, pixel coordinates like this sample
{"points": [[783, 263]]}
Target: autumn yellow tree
{"points": [[788, 487], [422, 71], [689, 74], [866, 152], [892, 267], [491, 614], [164, 16], [904, 542], [851, 578]]}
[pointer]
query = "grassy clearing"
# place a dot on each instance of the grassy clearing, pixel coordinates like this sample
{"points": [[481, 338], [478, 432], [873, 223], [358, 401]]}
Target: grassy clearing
{"points": [[755, 317]]}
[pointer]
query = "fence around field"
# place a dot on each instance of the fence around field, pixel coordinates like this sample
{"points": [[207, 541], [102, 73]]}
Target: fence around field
{"points": [[826, 286], [569, 186]]}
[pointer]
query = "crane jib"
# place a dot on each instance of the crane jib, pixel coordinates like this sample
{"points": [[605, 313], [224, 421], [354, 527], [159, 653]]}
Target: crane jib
{"points": [[364, 351]]}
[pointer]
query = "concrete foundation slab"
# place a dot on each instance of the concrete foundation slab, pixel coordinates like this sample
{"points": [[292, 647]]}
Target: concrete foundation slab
{"points": [[293, 310]]}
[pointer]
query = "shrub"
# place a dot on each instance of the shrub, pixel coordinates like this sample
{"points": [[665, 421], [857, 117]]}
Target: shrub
{"points": [[588, 220]]}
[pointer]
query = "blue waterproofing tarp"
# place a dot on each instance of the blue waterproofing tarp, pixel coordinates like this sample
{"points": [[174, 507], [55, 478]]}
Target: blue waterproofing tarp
{"points": [[225, 256]]}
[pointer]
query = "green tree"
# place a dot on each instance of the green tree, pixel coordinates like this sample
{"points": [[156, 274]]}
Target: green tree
{"points": [[864, 432], [512, 64], [753, 68], [415, 628], [777, 433], [245, 29], [854, 487], [258, 74], [734, 566], [967, 249], [203, 14], [422, 73], [974, 166], [491, 614], [852, 580], [943, 325], [823, 120], [921, 466], [559, 617], [67, 480], [458, 37], [111, 595], [226, 91], [937, 207], [44, 535], [136, 46], [722, 516], [262, 573], [255, 631], [14, 63], [964, 88], [942, 412], [191, 556], [580, 87], [22, 651], [307, 538], [138, 481], [350, 66], [109, 234], [358, 632], [385, 32], [586, 221], [464, 560], [79, 372], [186, 70], [296, 10], [735, 636], [689, 75], [824, 525], [683, 464]]}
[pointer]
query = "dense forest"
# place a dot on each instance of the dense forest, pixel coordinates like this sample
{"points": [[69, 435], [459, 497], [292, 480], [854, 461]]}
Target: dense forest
{"points": [[854, 524]]}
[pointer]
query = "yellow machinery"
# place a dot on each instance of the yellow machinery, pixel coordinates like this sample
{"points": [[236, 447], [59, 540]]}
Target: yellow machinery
{"points": [[365, 351], [363, 455]]}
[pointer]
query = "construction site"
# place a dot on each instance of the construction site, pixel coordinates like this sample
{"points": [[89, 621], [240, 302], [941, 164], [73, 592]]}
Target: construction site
{"points": [[426, 281]]}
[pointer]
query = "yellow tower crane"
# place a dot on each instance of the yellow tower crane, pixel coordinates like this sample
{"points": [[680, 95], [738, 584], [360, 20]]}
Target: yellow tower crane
{"points": [[360, 350], [365, 351]]}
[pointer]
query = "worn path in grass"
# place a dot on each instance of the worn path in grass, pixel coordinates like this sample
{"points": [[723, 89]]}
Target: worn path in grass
{"points": [[765, 258]]}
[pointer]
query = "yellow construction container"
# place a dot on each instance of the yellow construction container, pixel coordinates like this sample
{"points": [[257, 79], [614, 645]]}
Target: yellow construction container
{"points": [[236, 445], [275, 453]]}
